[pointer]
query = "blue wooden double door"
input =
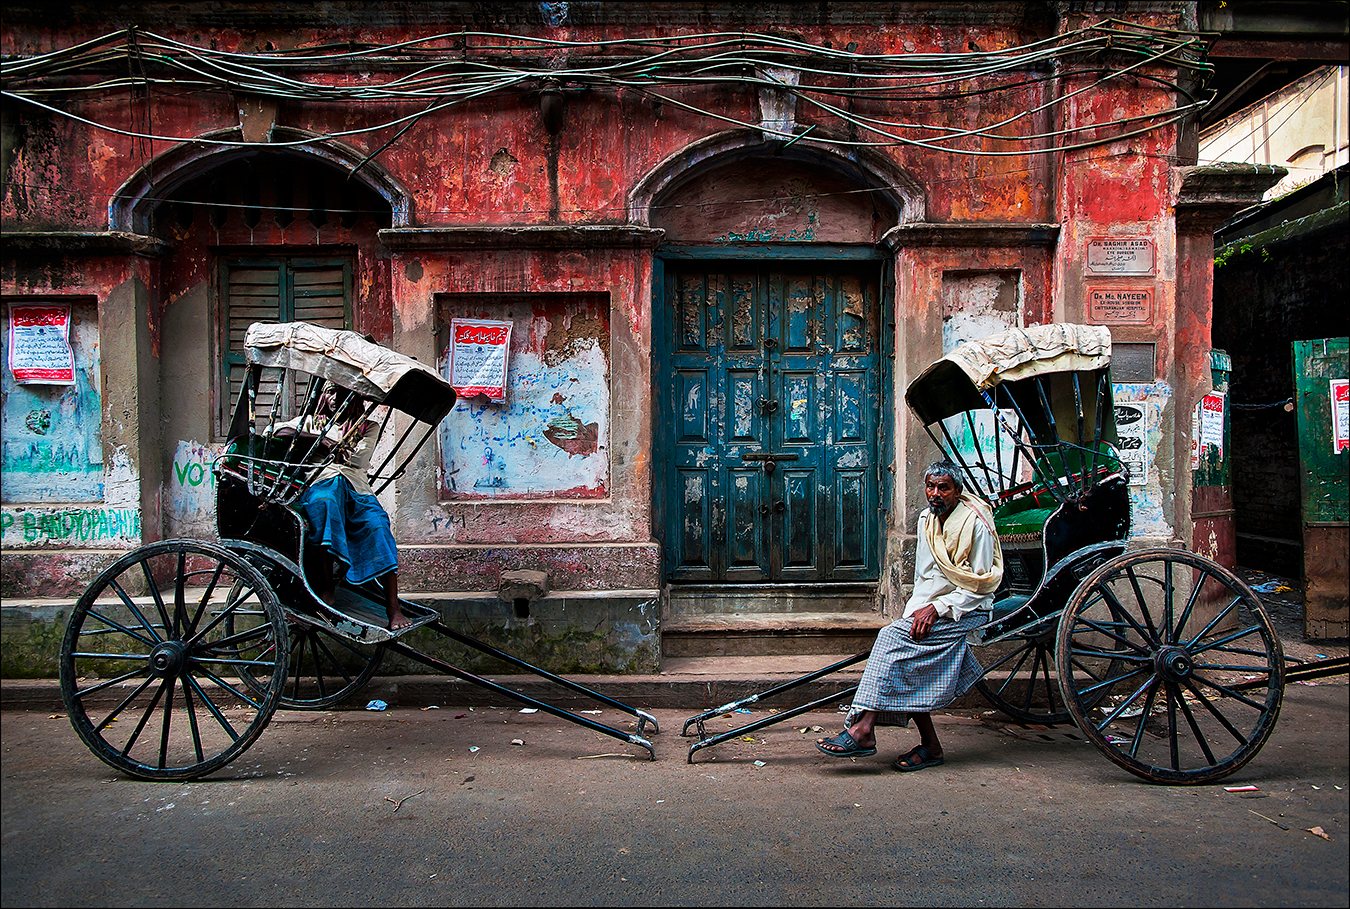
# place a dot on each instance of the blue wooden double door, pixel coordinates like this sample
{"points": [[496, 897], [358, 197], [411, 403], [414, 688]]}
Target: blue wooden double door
{"points": [[770, 391]]}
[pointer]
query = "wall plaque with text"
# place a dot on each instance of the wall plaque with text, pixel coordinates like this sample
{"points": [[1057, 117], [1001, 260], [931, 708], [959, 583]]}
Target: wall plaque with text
{"points": [[1112, 305], [1120, 256]]}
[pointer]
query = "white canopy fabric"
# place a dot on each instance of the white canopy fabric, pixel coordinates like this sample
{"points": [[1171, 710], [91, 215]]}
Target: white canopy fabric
{"points": [[331, 354], [1021, 353], [954, 383], [351, 361]]}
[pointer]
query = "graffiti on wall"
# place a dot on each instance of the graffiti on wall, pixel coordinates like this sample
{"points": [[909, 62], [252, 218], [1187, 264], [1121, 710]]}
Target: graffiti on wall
{"points": [[52, 448], [70, 527], [550, 437], [190, 507]]}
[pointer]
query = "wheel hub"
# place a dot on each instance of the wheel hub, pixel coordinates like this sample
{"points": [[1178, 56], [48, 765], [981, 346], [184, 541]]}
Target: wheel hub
{"points": [[167, 659], [1174, 664]]}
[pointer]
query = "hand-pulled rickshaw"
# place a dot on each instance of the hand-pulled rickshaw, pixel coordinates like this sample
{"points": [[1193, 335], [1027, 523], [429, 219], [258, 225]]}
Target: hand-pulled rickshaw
{"points": [[1165, 660], [176, 656]]}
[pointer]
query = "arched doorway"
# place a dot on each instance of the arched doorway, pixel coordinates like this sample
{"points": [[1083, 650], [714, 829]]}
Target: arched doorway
{"points": [[256, 233], [772, 379]]}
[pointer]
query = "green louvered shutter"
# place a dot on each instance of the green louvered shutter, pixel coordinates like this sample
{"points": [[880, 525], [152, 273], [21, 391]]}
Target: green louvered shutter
{"points": [[277, 290]]}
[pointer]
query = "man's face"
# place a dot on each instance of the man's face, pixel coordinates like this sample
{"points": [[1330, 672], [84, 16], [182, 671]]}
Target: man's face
{"points": [[941, 493]]}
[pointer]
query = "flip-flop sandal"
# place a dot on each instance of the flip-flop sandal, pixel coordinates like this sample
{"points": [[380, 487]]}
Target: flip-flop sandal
{"points": [[848, 744], [925, 757]]}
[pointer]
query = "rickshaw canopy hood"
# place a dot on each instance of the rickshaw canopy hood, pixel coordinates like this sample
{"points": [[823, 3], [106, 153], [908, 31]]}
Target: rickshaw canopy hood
{"points": [[952, 385], [349, 360]]}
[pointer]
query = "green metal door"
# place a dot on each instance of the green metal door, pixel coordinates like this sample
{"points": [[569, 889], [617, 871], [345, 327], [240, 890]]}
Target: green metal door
{"points": [[770, 398], [1322, 396]]}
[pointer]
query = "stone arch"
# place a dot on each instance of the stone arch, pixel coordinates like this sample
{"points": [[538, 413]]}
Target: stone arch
{"points": [[130, 208], [901, 193]]}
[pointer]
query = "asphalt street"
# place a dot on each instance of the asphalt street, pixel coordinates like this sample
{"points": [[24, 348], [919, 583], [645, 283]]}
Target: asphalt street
{"points": [[472, 805]]}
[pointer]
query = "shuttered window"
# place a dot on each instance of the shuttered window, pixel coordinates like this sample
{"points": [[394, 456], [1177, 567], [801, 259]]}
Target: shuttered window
{"points": [[276, 290]]}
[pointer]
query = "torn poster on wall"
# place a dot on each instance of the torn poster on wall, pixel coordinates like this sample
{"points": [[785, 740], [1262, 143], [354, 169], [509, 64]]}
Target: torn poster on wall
{"points": [[1340, 415], [1207, 428], [39, 345], [478, 357]]}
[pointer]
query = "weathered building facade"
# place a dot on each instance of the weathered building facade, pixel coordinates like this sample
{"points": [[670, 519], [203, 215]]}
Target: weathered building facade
{"points": [[726, 237]]}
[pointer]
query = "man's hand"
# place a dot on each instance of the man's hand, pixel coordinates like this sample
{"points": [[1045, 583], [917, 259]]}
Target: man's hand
{"points": [[923, 622]]}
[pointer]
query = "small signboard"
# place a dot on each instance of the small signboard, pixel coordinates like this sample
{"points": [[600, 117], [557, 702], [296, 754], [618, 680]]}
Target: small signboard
{"points": [[39, 345], [478, 357], [1340, 415], [1130, 256], [1113, 305]]}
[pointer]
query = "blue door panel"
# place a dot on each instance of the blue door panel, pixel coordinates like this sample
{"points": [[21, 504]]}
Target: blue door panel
{"points": [[774, 395]]}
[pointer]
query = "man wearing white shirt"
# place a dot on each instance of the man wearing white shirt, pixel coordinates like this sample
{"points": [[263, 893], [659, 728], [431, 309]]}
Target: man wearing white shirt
{"points": [[923, 661]]}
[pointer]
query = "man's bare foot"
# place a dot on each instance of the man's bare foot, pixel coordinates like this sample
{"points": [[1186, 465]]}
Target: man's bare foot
{"points": [[397, 620]]}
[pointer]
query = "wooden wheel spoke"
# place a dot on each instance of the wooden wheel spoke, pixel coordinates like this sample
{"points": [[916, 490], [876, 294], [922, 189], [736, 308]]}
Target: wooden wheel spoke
{"points": [[108, 683], [192, 722], [154, 593], [179, 597], [1105, 685], [126, 701], [1023, 652], [1175, 633], [191, 628], [1214, 622], [1169, 596], [1043, 662], [1172, 696], [1137, 739], [1195, 727], [1221, 644], [167, 723], [1121, 707], [145, 718], [215, 711], [225, 685], [228, 612], [1223, 720], [1230, 693], [136, 611], [332, 657], [1119, 612], [1152, 634]]}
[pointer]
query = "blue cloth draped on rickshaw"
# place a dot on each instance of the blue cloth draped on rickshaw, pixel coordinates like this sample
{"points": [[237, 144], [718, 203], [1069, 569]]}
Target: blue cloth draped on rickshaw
{"points": [[352, 526]]}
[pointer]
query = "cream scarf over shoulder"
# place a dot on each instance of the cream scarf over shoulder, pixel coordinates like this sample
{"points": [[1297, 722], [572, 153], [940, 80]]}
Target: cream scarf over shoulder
{"points": [[951, 546]]}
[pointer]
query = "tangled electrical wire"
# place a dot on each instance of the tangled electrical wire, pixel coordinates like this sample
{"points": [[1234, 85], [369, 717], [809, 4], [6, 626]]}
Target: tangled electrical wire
{"points": [[440, 71]]}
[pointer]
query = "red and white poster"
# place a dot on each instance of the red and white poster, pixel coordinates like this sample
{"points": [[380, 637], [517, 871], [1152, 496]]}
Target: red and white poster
{"points": [[1207, 427], [478, 357], [39, 345], [1340, 415]]}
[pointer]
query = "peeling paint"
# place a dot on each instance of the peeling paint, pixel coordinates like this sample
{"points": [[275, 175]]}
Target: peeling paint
{"points": [[1147, 513]]}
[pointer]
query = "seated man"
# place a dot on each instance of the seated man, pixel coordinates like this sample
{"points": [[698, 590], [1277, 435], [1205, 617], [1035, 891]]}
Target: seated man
{"points": [[922, 661], [345, 522]]}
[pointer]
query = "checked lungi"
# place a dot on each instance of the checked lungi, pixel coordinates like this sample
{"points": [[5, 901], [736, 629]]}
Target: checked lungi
{"points": [[904, 675]]}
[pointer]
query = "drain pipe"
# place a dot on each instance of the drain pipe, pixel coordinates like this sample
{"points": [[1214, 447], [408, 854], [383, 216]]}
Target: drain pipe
{"points": [[521, 587]]}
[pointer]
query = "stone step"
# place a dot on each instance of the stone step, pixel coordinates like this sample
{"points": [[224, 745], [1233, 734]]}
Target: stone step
{"points": [[744, 599], [769, 634]]}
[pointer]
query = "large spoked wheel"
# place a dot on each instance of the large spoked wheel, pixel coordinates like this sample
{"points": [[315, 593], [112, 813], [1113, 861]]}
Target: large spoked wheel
{"points": [[1170, 666], [1022, 683], [326, 670], [152, 655]]}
